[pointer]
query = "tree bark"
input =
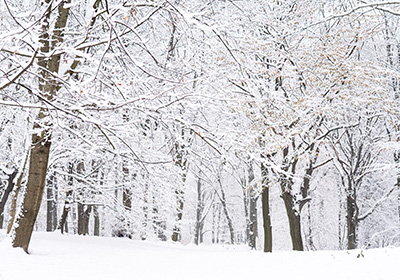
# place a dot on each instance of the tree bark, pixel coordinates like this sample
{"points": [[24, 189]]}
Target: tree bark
{"points": [[253, 225], [199, 214], [52, 204], [41, 142], [294, 221], [266, 220], [291, 203], [13, 208], [96, 228], [351, 218], [83, 218], [181, 160], [34, 191], [265, 210], [6, 193], [227, 216]]}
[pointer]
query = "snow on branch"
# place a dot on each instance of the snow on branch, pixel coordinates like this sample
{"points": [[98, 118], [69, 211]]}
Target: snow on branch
{"points": [[17, 75]]}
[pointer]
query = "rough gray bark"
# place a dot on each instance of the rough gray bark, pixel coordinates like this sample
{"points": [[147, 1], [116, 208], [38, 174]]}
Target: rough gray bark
{"points": [[41, 142], [33, 193]]}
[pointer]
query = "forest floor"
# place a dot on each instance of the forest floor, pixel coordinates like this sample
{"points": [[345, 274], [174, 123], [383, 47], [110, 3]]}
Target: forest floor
{"points": [[56, 256]]}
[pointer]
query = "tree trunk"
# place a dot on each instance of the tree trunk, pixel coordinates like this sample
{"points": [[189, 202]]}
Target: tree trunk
{"points": [[181, 160], [41, 142], [8, 189], [96, 228], [199, 214], [34, 191], [265, 210], [351, 218], [13, 208], [83, 218], [176, 235], [225, 209], [266, 221], [63, 221], [62, 225], [214, 226], [126, 194], [294, 222], [309, 236], [253, 226], [250, 197], [52, 203], [292, 205]]}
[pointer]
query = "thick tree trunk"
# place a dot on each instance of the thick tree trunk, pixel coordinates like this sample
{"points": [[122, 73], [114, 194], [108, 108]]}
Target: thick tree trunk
{"points": [[293, 206], [41, 143], [294, 221], [34, 191]]}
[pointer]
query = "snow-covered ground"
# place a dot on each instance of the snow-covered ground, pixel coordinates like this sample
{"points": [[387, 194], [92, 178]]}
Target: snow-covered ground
{"points": [[54, 256]]}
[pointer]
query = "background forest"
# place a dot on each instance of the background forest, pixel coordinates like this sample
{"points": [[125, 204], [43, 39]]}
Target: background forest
{"points": [[271, 123]]}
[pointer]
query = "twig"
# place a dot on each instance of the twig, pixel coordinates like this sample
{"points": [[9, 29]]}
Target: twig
{"points": [[13, 79]]}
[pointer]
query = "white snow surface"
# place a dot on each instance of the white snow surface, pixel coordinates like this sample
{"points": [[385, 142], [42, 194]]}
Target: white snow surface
{"points": [[56, 256]]}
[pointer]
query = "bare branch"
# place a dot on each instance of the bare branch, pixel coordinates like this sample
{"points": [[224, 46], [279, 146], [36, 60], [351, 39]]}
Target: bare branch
{"points": [[16, 76]]}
